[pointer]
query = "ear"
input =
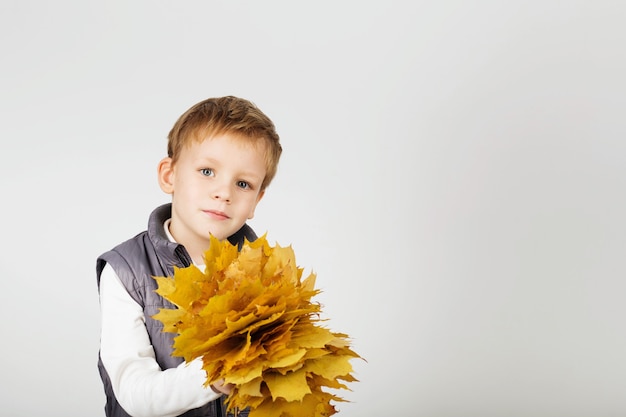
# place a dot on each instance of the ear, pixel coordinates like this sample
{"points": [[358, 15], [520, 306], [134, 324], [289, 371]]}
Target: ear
{"points": [[165, 172], [258, 198]]}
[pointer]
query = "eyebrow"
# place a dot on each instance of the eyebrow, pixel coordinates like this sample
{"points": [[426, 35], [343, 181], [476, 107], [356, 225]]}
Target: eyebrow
{"points": [[252, 176]]}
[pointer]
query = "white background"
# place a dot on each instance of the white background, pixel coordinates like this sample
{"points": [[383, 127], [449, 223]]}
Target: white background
{"points": [[453, 172]]}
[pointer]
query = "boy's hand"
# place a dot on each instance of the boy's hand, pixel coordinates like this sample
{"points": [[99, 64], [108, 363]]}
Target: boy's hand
{"points": [[220, 388]]}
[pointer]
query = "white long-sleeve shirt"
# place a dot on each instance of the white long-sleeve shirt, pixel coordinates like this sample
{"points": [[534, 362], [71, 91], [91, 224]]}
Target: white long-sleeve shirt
{"points": [[139, 384]]}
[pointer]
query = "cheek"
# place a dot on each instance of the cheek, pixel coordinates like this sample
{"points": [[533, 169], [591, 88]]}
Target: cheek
{"points": [[188, 185], [252, 206]]}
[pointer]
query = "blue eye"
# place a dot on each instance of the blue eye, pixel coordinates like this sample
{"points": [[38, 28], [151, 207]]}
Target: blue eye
{"points": [[207, 172], [243, 184]]}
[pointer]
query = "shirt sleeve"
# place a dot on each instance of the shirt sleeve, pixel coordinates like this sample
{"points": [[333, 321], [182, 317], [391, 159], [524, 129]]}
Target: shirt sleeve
{"points": [[139, 384]]}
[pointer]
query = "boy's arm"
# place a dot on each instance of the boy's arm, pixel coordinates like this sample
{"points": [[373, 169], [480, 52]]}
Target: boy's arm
{"points": [[139, 384]]}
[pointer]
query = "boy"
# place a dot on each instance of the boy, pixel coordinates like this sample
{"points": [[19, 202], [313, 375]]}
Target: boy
{"points": [[222, 155]]}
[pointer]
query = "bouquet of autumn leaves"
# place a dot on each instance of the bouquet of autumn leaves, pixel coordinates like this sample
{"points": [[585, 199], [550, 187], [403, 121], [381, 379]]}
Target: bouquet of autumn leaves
{"points": [[250, 317]]}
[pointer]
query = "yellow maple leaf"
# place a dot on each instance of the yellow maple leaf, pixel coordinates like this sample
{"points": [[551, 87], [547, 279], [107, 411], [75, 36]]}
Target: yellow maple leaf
{"points": [[292, 386], [250, 317]]}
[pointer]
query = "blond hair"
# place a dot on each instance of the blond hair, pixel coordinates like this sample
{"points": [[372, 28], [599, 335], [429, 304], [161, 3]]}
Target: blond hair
{"points": [[227, 115]]}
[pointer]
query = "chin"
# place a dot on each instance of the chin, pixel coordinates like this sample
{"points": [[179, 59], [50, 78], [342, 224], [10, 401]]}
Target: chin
{"points": [[218, 235]]}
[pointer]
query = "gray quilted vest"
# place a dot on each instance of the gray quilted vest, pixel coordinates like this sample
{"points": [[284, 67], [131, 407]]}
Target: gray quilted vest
{"points": [[136, 261]]}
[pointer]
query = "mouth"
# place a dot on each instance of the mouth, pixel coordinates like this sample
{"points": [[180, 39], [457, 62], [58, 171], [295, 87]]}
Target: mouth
{"points": [[216, 214]]}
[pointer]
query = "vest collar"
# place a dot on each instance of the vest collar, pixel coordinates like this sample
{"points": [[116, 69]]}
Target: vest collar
{"points": [[171, 252]]}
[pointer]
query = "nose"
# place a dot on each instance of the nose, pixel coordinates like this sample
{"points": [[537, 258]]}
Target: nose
{"points": [[222, 192]]}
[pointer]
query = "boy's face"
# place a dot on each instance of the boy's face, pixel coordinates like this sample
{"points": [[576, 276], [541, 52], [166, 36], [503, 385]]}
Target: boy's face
{"points": [[215, 187]]}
